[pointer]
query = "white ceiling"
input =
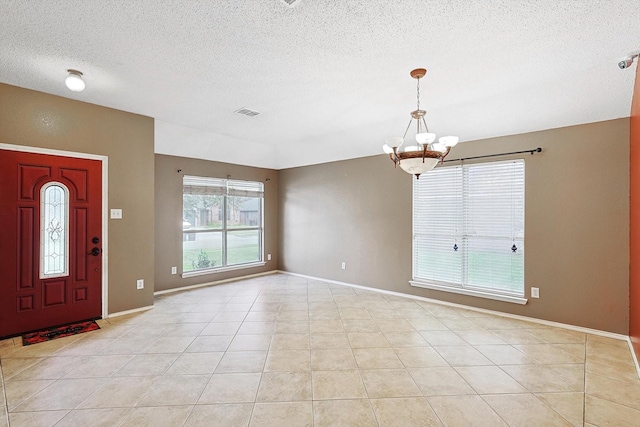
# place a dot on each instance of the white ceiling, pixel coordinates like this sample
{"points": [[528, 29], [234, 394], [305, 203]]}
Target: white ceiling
{"points": [[330, 78]]}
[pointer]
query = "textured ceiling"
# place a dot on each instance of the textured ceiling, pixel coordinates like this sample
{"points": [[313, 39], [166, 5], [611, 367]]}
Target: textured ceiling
{"points": [[330, 78]]}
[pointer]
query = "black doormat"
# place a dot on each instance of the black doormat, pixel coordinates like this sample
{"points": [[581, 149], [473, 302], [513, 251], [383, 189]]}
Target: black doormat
{"points": [[59, 332]]}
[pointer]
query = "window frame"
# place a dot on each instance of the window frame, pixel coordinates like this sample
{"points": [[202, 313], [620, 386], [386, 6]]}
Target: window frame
{"points": [[225, 187], [464, 288]]}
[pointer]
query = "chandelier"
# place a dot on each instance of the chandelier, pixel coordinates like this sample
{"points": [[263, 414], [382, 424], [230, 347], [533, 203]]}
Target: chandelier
{"points": [[420, 158]]}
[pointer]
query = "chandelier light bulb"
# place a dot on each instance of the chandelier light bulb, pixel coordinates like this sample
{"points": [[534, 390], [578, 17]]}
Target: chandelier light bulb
{"points": [[449, 141], [74, 81], [395, 141], [425, 138], [387, 149], [439, 146]]}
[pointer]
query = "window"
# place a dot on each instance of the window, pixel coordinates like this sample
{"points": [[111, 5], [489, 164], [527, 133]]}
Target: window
{"points": [[468, 229], [222, 223], [54, 230]]}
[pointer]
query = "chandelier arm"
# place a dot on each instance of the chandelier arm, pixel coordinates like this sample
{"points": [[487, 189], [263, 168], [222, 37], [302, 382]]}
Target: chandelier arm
{"points": [[444, 155], [394, 157], [407, 129], [391, 157], [425, 124]]}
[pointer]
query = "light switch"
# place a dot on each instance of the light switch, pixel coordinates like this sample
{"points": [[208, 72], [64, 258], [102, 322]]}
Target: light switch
{"points": [[116, 213]]}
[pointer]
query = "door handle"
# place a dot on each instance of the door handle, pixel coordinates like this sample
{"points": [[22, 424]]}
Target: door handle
{"points": [[94, 252]]}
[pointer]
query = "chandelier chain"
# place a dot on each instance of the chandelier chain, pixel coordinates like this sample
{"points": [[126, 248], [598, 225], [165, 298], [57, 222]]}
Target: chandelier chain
{"points": [[418, 93]]}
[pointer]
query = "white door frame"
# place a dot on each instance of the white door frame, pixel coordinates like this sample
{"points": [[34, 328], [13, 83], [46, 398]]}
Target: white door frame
{"points": [[105, 205]]}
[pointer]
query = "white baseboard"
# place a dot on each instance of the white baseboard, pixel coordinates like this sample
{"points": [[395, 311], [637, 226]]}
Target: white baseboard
{"points": [[133, 310], [217, 282]]}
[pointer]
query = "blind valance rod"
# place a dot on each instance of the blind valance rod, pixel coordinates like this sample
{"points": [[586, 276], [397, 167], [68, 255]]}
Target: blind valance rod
{"points": [[535, 150]]}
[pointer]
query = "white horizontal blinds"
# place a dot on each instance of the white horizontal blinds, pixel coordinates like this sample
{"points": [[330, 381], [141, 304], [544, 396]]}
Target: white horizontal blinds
{"points": [[494, 225], [245, 188], [221, 187], [437, 226], [203, 185], [468, 224]]}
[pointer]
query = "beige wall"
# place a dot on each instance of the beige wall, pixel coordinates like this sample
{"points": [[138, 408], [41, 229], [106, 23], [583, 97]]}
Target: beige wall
{"points": [[577, 224], [168, 202], [37, 119]]}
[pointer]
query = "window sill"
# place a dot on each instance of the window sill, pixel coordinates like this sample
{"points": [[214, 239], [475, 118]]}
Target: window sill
{"points": [[222, 269], [470, 292]]}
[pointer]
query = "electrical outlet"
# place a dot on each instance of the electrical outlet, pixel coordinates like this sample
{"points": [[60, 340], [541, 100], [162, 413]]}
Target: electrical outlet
{"points": [[174, 270], [535, 292], [140, 284], [344, 265], [268, 257]]}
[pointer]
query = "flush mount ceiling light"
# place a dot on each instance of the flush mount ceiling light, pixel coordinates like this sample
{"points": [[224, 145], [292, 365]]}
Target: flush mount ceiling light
{"points": [[420, 158], [74, 81]]}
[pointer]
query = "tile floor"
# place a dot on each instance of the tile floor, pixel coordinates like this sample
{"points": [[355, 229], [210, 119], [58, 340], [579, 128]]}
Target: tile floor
{"points": [[280, 350]]}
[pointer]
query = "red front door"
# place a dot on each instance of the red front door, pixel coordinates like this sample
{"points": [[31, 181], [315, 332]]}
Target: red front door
{"points": [[50, 242]]}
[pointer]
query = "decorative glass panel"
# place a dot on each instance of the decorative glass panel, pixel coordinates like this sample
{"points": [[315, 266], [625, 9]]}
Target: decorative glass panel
{"points": [[54, 230]]}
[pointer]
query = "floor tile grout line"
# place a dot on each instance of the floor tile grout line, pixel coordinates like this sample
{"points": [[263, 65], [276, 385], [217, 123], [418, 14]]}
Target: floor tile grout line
{"points": [[53, 381], [635, 408], [264, 364], [375, 417], [359, 370], [313, 418], [492, 409], [434, 411], [559, 414]]}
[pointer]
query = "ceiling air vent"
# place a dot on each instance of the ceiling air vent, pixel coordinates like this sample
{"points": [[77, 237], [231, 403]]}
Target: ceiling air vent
{"points": [[247, 112], [290, 3]]}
